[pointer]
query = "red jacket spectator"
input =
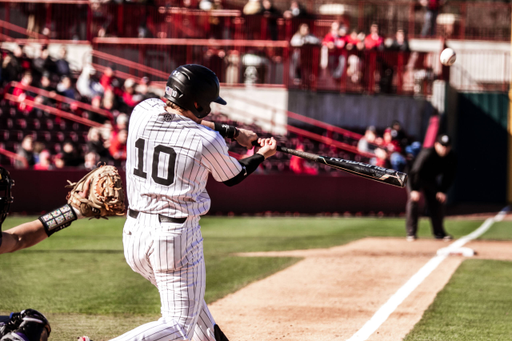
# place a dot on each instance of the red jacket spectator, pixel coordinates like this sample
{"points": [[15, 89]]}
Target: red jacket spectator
{"points": [[21, 94], [373, 41], [106, 79]]}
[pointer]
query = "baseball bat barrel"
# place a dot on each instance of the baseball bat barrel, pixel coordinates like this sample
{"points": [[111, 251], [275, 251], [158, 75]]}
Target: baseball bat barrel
{"points": [[365, 170]]}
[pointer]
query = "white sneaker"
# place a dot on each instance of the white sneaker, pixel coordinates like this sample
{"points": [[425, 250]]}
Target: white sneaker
{"points": [[410, 238]]}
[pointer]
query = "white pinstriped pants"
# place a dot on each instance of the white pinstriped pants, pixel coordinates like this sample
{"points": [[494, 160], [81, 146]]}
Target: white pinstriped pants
{"points": [[170, 256]]}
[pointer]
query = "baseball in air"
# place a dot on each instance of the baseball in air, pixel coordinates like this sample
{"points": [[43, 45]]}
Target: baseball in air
{"points": [[447, 57]]}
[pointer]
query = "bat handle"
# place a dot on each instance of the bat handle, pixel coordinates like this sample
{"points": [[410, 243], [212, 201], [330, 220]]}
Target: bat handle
{"points": [[256, 144]]}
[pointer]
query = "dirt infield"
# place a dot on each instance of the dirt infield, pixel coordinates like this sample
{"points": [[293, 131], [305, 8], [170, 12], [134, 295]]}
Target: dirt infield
{"points": [[332, 293]]}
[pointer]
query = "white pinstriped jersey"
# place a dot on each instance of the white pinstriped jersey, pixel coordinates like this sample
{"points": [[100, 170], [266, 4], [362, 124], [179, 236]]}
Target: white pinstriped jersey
{"points": [[169, 157]]}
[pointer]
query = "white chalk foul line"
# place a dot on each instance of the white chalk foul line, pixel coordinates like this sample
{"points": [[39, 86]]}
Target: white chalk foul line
{"points": [[394, 301]]}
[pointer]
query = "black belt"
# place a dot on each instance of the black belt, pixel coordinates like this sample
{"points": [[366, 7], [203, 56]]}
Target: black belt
{"points": [[161, 218]]}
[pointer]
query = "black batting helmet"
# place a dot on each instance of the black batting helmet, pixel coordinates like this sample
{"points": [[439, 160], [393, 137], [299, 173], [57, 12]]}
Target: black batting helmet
{"points": [[193, 84], [6, 183]]}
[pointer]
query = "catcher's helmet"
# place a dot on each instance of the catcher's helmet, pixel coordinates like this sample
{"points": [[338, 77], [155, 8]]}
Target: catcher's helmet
{"points": [[28, 325], [193, 83], [6, 183]]}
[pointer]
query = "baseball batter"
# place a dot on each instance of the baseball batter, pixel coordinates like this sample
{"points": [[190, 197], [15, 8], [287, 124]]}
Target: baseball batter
{"points": [[169, 157]]}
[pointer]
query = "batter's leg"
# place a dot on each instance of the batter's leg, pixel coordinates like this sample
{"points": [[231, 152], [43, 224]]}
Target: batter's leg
{"points": [[205, 327]]}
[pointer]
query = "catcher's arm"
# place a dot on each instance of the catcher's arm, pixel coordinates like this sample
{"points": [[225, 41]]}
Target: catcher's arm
{"points": [[31, 233]]}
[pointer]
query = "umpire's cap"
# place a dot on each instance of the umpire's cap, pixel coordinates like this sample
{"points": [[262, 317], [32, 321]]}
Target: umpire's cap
{"points": [[444, 140], [6, 183], [193, 83]]}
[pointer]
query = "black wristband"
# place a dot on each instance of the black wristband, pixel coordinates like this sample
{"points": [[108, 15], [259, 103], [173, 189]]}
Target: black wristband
{"points": [[58, 219], [225, 130]]}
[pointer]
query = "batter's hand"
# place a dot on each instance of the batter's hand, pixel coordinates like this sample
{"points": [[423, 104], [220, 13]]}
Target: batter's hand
{"points": [[268, 147], [246, 137], [441, 197], [415, 196]]}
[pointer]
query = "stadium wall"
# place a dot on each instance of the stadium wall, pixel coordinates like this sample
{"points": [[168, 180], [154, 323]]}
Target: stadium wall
{"points": [[359, 111], [38, 191]]}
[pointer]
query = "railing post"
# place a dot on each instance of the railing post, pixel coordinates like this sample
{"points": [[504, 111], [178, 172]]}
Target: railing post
{"points": [[399, 72], [411, 19], [463, 12], [89, 23]]}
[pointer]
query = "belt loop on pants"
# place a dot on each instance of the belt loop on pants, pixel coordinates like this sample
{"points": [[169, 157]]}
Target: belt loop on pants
{"points": [[161, 218]]}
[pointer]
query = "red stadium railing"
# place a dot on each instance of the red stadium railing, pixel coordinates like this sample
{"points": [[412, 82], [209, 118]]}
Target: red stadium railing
{"points": [[84, 20], [268, 63], [60, 98], [53, 111]]}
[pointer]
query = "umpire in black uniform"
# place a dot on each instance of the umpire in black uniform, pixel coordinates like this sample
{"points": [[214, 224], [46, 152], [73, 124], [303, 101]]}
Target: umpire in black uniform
{"points": [[432, 173]]}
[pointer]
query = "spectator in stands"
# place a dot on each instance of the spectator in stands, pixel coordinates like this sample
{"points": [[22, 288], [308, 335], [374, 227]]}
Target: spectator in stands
{"points": [[217, 29], [205, 5], [22, 58], [118, 147], [62, 64], [93, 115], [45, 84], [295, 11], [400, 43], [44, 162], [96, 144], [121, 122], [253, 7], [70, 155], [394, 150], [11, 68], [143, 91], [38, 63], [432, 8], [299, 165], [271, 14], [88, 84], [398, 134], [65, 88], [91, 161], [107, 78], [26, 151], [368, 143], [354, 42], [300, 38], [373, 41], [58, 162], [22, 94], [337, 52], [129, 100], [371, 144]]}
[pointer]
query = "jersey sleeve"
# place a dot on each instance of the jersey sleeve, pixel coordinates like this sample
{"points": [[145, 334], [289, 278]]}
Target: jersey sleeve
{"points": [[216, 158]]}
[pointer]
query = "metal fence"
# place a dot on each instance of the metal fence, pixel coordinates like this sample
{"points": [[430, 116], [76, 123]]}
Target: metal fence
{"points": [[84, 20]]}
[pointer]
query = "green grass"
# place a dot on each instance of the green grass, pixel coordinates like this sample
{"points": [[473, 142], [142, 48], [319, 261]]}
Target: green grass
{"points": [[476, 305], [499, 231], [80, 273]]}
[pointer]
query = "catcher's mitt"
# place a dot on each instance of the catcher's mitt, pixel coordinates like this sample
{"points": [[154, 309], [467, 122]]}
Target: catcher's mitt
{"points": [[105, 196]]}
